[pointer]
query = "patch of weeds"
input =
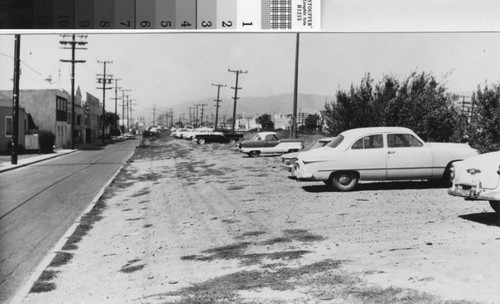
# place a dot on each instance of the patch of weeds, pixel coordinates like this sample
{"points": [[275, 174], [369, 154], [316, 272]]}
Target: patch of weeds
{"points": [[39, 287], [142, 192], [43, 283], [228, 252], [150, 177], [302, 235], [148, 226], [252, 233], [256, 258], [235, 188], [191, 257], [277, 240], [225, 288], [230, 221], [86, 224], [131, 269], [61, 258], [128, 209], [142, 202], [134, 219]]}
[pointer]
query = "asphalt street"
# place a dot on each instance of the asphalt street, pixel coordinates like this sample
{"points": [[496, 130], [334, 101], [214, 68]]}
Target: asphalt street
{"points": [[40, 202]]}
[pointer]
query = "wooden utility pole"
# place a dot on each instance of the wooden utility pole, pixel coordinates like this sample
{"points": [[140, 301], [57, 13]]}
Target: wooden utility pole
{"points": [[73, 42], [104, 80], [218, 100], [295, 90], [116, 102], [15, 100], [236, 88]]}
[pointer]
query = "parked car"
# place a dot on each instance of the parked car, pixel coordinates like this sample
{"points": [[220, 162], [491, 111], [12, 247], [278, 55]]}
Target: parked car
{"points": [[268, 142], [198, 131], [478, 178], [289, 159], [379, 153], [218, 137]]}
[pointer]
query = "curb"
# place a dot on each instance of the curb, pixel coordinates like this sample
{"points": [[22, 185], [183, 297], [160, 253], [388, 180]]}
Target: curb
{"points": [[35, 161], [23, 291]]}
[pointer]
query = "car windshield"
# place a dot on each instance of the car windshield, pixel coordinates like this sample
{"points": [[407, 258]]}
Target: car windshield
{"points": [[335, 142], [255, 137]]}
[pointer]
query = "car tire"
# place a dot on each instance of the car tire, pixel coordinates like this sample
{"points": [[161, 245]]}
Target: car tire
{"points": [[232, 141], [343, 181], [495, 205], [201, 141], [446, 179], [254, 153]]}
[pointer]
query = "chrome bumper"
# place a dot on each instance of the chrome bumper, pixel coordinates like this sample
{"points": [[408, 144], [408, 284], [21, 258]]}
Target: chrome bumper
{"points": [[475, 193]]}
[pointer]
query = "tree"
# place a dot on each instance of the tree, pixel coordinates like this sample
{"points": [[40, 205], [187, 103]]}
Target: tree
{"points": [[266, 122], [311, 122], [484, 132]]}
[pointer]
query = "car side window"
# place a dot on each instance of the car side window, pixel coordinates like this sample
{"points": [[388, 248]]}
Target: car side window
{"points": [[369, 142], [271, 137], [402, 141]]}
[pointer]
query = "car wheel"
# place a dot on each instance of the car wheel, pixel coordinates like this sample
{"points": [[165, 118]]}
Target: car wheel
{"points": [[447, 178], [495, 205], [254, 153], [201, 141], [232, 141], [343, 181]]}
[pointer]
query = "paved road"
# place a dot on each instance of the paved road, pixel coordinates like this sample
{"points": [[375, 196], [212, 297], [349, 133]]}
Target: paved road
{"points": [[40, 202]]}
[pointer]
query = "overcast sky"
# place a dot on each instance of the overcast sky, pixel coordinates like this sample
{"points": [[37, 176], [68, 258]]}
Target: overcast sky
{"points": [[171, 68]]}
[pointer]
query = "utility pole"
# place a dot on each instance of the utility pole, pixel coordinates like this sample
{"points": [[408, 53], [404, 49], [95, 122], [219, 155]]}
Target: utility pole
{"points": [[123, 108], [104, 81], [171, 117], [116, 102], [154, 113], [196, 118], [236, 88], [15, 99], [130, 105], [202, 110], [218, 100], [73, 42], [293, 134]]}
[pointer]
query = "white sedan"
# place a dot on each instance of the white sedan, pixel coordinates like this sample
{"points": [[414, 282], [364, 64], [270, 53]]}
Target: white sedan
{"points": [[379, 153], [478, 178]]}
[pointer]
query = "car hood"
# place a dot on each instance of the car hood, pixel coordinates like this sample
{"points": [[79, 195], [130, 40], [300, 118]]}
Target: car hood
{"points": [[482, 168]]}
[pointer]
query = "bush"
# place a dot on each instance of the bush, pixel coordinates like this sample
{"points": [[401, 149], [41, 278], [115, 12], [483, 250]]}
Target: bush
{"points": [[47, 140]]}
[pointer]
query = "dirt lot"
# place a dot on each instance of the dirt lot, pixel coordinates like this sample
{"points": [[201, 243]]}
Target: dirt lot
{"points": [[184, 223]]}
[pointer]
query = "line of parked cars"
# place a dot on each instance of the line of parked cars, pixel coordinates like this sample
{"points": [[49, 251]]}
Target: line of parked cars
{"points": [[206, 135]]}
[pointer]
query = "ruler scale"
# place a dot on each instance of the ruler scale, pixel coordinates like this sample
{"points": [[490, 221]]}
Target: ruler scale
{"points": [[216, 15]]}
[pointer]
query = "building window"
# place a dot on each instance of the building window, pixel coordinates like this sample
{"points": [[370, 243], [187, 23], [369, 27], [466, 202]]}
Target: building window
{"points": [[8, 126], [61, 109]]}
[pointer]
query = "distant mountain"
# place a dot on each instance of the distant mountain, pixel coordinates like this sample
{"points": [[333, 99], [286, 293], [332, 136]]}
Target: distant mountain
{"points": [[255, 106]]}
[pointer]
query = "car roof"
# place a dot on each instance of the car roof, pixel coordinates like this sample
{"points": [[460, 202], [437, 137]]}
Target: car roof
{"points": [[266, 133], [371, 130]]}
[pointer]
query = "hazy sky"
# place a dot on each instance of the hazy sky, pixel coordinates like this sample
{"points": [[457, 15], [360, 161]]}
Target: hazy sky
{"points": [[170, 68]]}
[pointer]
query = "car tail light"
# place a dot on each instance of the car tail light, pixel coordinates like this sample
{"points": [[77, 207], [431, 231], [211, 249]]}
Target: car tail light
{"points": [[452, 172], [498, 172]]}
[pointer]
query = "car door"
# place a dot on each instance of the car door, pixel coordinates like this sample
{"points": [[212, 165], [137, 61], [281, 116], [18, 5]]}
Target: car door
{"points": [[368, 156], [407, 157]]}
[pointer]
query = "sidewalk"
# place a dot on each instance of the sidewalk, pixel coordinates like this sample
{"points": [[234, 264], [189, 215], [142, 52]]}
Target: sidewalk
{"points": [[28, 159]]}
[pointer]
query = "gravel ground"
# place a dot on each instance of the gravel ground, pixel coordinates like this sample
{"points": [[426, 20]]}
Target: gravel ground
{"points": [[191, 223]]}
